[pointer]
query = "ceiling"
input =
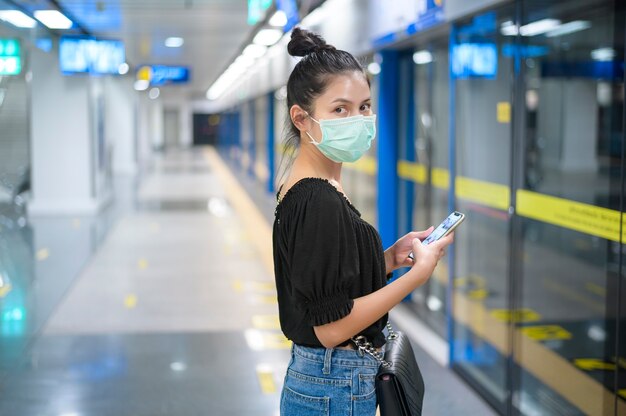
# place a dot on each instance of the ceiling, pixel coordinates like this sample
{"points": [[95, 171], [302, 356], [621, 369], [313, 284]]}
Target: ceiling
{"points": [[214, 32]]}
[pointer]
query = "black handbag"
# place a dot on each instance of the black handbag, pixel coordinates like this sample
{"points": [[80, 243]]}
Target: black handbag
{"points": [[399, 382]]}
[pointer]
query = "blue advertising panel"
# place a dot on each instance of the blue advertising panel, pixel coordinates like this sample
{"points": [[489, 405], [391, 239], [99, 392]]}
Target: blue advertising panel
{"points": [[474, 60], [88, 55]]}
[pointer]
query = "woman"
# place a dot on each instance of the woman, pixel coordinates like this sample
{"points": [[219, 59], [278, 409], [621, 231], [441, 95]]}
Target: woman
{"points": [[331, 270]]}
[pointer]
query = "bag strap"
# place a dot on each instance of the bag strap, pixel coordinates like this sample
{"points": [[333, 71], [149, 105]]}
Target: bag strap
{"points": [[366, 347]]}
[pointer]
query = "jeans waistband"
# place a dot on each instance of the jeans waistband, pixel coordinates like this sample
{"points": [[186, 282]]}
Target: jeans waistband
{"points": [[335, 356]]}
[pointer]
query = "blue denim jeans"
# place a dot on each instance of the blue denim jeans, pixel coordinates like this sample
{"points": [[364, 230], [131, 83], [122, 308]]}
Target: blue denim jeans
{"points": [[335, 382]]}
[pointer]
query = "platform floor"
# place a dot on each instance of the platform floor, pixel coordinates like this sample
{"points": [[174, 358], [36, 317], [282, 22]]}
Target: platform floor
{"points": [[162, 305]]}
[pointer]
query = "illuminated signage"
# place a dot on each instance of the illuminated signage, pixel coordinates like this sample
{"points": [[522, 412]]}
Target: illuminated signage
{"points": [[10, 61], [163, 74]]}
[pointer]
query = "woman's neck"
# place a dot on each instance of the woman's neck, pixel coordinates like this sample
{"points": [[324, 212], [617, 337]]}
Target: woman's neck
{"points": [[310, 162]]}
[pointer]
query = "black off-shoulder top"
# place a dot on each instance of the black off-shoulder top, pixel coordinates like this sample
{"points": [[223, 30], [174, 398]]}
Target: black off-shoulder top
{"points": [[325, 256]]}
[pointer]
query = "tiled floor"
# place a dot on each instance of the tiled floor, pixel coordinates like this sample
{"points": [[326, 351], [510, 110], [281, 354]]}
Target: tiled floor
{"points": [[163, 305]]}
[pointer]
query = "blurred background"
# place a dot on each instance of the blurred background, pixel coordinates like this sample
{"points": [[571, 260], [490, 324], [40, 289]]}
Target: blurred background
{"points": [[140, 151]]}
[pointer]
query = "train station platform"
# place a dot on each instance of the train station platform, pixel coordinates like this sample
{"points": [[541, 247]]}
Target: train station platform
{"points": [[163, 304]]}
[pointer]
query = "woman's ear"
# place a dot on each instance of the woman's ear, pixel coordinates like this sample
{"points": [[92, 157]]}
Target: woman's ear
{"points": [[300, 118]]}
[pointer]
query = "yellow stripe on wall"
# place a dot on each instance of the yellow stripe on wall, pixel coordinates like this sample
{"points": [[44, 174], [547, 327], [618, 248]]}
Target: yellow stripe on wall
{"points": [[440, 178], [485, 193], [412, 171], [577, 216]]}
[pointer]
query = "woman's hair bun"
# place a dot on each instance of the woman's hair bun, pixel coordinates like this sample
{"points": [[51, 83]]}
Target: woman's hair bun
{"points": [[303, 43]]}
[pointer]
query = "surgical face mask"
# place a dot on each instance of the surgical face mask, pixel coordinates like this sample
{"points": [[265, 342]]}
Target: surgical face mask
{"points": [[345, 139]]}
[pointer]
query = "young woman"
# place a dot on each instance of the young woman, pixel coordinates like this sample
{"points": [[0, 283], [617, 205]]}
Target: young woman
{"points": [[331, 270]]}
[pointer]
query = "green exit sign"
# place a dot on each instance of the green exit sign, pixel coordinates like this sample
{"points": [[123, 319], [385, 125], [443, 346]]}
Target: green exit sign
{"points": [[10, 60]]}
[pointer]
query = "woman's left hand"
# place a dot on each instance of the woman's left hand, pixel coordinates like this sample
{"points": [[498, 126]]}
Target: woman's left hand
{"points": [[397, 255]]}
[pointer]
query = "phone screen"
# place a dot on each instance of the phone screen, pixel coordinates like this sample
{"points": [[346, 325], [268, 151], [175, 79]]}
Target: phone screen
{"points": [[443, 228]]}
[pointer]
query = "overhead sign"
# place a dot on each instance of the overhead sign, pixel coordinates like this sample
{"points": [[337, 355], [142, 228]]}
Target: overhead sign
{"points": [[10, 60], [162, 74]]}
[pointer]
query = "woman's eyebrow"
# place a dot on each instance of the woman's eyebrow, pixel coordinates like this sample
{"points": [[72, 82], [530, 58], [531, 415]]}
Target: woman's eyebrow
{"points": [[345, 100]]}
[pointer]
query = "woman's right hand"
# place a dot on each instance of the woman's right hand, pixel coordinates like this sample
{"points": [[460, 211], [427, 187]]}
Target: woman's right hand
{"points": [[427, 256]]}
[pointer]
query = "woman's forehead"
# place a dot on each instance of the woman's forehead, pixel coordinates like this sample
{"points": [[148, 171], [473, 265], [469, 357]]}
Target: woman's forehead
{"points": [[351, 87]]}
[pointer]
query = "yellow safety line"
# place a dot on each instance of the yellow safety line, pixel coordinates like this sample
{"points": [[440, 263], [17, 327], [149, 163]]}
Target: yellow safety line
{"points": [[266, 380], [253, 221]]}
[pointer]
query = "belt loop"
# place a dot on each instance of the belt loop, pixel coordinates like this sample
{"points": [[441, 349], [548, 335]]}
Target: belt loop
{"points": [[327, 357]]}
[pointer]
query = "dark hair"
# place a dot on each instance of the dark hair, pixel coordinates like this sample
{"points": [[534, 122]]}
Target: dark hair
{"points": [[311, 75]]}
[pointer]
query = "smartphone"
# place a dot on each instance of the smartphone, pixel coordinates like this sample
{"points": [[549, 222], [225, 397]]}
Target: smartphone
{"points": [[446, 227]]}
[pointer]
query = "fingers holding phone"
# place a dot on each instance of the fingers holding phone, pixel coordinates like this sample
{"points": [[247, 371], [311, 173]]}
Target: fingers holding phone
{"points": [[428, 255]]}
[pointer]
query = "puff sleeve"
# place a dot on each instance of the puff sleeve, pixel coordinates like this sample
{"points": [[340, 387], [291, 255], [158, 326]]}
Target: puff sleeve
{"points": [[323, 255]]}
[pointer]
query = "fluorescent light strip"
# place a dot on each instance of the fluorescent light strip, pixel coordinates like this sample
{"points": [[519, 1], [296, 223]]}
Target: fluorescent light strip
{"points": [[567, 28], [539, 27], [53, 19], [422, 57], [18, 19], [279, 19], [267, 37]]}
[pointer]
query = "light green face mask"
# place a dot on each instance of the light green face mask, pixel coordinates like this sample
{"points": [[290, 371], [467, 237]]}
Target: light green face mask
{"points": [[345, 139]]}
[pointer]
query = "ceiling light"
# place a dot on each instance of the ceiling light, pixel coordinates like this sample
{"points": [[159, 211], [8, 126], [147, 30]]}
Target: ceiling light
{"points": [[422, 57], [17, 18], [279, 19], [154, 93], [244, 60], [267, 37], [603, 54], [570, 27], [539, 27], [374, 68], [53, 19], [254, 51], [123, 69], [509, 28], [141, 85], [174, 42]]}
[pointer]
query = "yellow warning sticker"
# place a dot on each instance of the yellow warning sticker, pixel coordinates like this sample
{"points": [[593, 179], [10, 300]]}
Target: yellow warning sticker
{"points": [[504, 112], [484, 193], [412, 171], [546, 332], [577, 216], [518, 316]]}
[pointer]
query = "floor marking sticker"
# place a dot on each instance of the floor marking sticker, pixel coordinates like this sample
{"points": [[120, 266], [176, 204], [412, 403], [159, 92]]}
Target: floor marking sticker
{"points": [[43, 254], [592, 364], [130, 301], [266, 322], [518, 316], [546, 332]]}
